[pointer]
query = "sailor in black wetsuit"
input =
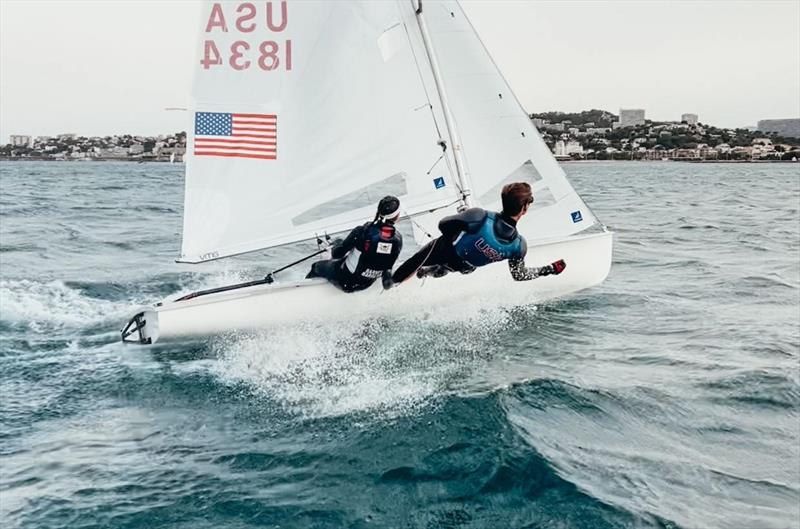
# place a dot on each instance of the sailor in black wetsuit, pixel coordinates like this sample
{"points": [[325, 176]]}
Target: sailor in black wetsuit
{"points": [[477, 237], [368, 252]]}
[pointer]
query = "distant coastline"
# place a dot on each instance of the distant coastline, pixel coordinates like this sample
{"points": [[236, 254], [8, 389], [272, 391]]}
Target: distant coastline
{"points": [[590, 135], [93, 160], [570, 161]]}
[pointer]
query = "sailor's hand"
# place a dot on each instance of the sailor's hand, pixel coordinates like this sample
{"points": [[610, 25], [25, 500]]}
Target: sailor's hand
{"points": [[329, 247], [554, 268]]}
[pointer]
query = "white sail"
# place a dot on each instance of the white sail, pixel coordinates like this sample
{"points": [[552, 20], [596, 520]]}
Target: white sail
{"points": [[302, 112], [499, 141]]}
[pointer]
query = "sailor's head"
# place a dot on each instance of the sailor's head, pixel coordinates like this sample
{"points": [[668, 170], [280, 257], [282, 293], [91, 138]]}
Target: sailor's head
{"points": [[516, 198], [388, 209]]}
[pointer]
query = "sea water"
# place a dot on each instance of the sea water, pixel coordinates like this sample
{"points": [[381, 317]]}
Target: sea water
{"points": [[666, 397]]}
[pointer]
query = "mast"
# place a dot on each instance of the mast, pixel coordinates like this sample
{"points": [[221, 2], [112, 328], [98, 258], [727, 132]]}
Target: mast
{"points": [[452, 131]]}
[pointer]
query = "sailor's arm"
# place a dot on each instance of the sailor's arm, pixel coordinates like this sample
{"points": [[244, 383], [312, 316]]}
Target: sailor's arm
{"points": [[452, 225], [520, 272], [341, 248], [386, 276]]}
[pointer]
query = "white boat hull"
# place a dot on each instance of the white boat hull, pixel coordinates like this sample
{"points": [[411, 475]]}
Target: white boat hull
{"points": [[259, 307]]}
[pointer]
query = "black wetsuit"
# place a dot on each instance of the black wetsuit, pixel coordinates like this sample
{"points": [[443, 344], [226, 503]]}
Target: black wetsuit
{"points": [[368, 252], [442, 251]]}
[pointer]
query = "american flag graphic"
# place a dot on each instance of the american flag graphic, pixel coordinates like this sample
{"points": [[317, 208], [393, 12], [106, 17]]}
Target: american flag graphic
{"points": [[236, 135]]}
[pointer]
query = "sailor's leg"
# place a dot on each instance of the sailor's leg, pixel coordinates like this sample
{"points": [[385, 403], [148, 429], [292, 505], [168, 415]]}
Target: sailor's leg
{"points": [[430, 254], [435, 271], [326, 269], [450, 263]]}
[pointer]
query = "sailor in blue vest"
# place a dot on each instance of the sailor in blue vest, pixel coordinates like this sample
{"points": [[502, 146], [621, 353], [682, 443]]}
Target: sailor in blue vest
{"points": [[476, 237], [368, 252]]}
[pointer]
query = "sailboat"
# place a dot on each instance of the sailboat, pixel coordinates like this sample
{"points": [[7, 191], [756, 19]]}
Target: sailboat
{"points": [[304, 113]]}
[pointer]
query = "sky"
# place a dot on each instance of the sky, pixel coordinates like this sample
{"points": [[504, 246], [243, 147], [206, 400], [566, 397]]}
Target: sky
{"points": [[111, 67]]}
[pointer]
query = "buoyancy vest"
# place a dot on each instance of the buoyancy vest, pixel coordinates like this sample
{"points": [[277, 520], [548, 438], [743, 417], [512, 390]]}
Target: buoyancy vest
{"points": [[494, 240], [377, 251]]}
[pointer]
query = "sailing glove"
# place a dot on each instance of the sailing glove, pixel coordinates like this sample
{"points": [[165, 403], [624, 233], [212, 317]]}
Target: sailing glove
{"points": [[554, 268]]}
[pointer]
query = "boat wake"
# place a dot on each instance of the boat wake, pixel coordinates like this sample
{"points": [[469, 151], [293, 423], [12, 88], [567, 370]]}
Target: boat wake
{"points": [[382, 368]]}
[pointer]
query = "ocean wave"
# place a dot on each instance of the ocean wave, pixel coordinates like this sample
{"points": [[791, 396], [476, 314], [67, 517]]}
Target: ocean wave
{"points": [[756, 388], [43, 305]]}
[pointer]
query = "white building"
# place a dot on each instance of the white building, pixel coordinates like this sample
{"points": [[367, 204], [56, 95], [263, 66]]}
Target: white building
{"points": [[18, 140], [723, 147], [630, 117], [67, 136], [573, 147], [690, 119], [561, 148]]}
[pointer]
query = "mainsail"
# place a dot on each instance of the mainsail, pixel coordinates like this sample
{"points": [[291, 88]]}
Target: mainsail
{"points": [[299, 109]]}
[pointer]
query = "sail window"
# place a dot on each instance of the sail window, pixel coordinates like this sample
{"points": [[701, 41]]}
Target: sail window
{"points": [[542, 198], [368, 196], [524, 173], [391, 41]]}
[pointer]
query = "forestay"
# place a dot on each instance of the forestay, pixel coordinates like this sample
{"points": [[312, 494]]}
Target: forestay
{"points": [[299, 108], [500, 142]]}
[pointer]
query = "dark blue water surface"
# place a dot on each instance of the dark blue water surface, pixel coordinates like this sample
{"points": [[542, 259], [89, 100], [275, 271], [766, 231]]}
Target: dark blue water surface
{"points": [[669, 396]]}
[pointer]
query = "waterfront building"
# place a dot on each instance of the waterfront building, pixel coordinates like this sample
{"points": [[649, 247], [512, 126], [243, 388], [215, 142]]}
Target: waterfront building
{"points": [[19, 140], [690, 119], [573, 147], [783, 127], [539, 122]]}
